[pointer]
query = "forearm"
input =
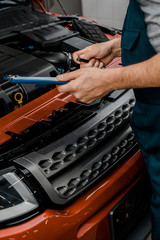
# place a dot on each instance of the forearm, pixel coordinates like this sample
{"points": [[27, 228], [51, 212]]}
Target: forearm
{"points": [[141, 75]]}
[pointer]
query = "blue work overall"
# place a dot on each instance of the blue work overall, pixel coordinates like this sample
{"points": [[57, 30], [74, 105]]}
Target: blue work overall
{"points": [[146, 117]]}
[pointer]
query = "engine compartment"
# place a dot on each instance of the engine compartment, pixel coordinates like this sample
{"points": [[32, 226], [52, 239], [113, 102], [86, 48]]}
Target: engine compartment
{"points": [[33, 43]]}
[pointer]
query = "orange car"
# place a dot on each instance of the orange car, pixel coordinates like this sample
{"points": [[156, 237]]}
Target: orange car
{"points": [[68, 170]]}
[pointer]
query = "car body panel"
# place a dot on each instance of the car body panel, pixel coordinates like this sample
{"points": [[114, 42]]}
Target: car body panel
{"points": [[88, 215]]}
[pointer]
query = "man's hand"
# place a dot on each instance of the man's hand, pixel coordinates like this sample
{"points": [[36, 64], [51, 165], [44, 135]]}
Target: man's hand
{"points": [[100, 54], [88, 84]]}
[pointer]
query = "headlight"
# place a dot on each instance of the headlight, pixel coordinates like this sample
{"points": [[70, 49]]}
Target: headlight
{"points": [[16, 199]]}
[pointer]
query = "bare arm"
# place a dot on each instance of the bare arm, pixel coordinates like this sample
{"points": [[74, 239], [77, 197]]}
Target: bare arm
{"points": [[141, 75], [90, 84]]}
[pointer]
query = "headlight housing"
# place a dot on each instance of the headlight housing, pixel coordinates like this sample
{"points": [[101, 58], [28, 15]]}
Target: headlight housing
{"points": [[16, 199]]}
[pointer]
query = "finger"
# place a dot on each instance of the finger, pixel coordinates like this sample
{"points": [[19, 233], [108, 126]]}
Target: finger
{"points": [[97, 63], [101, 65], [87, 99], [90, 64], [86, 53], [65, 88], [76, 55], [107, 60], [69, 76], [81, 54]]}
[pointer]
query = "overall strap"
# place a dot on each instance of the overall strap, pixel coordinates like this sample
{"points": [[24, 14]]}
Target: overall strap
{"points": [[136, 48], [134, 18]]}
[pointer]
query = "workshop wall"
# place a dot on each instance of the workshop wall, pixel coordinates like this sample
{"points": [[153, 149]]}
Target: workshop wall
{"points": [[109, 12]]}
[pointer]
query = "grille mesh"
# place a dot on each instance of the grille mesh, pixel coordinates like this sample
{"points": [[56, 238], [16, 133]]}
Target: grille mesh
{"points": [[71, 152], [97, 168]]}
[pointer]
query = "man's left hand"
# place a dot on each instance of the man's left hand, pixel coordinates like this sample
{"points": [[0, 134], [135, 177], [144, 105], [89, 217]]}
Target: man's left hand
{"points": [[87, 84]]}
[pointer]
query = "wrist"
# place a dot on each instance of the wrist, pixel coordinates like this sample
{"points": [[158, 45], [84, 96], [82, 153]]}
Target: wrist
{"points": [[116, 47], [113, 79]]}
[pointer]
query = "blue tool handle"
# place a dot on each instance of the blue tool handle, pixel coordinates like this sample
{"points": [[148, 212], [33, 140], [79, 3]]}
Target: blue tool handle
{"points": [[37, 80]]}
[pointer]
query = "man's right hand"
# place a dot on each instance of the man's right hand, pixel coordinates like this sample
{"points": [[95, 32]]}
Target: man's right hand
{"points": [[99, 54]]}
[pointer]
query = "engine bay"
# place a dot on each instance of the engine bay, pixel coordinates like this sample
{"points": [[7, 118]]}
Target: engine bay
{"points": [[33, 43]]}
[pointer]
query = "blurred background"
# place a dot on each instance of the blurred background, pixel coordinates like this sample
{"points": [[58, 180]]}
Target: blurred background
{"points": [[109, 12]]}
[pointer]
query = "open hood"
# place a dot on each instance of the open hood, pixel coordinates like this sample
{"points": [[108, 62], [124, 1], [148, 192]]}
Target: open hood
{"points": [[4, 4]]}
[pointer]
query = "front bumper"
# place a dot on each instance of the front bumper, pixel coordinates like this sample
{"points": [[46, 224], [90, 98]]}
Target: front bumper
{"points": [[88, 217]]}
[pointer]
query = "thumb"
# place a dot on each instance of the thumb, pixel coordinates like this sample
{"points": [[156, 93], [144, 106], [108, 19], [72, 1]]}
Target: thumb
{"points": [[85, 54], [69, 76]]}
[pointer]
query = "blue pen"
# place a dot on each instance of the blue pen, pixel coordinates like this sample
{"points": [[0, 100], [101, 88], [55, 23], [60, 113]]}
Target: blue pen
{"points": [[39, 81]]}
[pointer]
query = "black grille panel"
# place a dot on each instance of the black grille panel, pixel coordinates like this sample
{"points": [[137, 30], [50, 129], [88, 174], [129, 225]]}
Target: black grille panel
{"points": [[73, 163], [83, 143], [65, 187]]}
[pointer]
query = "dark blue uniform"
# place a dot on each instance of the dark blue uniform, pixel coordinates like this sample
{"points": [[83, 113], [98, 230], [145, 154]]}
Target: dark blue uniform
{"points": [[146, 117]]}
